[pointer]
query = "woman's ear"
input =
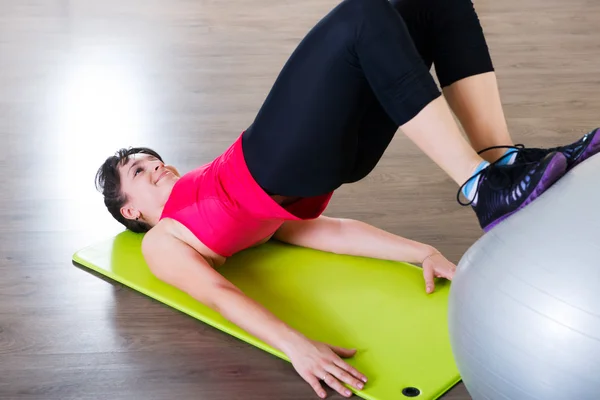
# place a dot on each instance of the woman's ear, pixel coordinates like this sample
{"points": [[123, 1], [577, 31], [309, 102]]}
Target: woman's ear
{"points": [[129, 212]]}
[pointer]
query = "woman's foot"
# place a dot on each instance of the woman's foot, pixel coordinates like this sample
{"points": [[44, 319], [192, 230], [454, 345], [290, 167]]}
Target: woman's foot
{"points": [[502, 190], [576, 152]]}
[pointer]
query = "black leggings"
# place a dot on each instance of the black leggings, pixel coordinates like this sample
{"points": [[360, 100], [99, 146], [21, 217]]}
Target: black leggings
{"points": [[357, 76]]}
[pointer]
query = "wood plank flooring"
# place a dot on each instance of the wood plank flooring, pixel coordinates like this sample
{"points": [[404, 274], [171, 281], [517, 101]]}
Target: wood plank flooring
{"points": [[80, 78]]}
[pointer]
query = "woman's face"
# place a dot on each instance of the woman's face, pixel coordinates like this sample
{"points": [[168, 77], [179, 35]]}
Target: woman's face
{"points": [[147, 183]]}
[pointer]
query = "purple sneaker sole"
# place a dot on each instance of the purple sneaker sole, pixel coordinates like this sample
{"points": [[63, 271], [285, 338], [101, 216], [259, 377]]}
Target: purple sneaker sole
{"points": [[592, 148], [556, 168]]}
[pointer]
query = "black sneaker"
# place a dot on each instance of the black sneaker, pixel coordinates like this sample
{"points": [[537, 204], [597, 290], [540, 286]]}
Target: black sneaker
{"points": [[576, 152], [505, 189]]}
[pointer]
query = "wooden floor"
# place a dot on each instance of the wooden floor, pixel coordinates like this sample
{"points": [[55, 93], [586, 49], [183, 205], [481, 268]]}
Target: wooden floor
{"points": [[81, 78]]}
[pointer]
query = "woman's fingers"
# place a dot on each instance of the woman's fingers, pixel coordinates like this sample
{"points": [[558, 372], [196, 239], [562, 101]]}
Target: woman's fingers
{"points": [[347, 368], [437, 266], [448, 271], [353, 372], [313, 381], [336, 385], [322, 362], [346, 377], [428, 273], [343, 352]]}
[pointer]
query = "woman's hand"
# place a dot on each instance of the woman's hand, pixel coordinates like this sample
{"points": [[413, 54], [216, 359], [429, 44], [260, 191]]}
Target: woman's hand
{"points": [[436, 265], [316, 361], [180, 265]]}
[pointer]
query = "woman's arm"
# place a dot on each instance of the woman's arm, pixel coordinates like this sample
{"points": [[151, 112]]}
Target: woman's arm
{"points": [[179, 265], [356, 238]]}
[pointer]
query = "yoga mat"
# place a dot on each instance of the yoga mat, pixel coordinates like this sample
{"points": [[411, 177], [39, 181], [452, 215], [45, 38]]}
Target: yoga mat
{"points": [[378, 307]]}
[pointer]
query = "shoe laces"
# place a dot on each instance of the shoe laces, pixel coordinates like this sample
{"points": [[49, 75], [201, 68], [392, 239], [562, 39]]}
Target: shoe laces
{"points": [[504, 176], [528, 156], [516, 146]]}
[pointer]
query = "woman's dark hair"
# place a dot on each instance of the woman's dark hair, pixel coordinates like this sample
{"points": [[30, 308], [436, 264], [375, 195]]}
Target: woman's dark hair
{"points": [[108, 182]]}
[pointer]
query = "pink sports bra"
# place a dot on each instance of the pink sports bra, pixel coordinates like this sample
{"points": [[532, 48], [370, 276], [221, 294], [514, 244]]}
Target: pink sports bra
{"points": [[224, 207]]}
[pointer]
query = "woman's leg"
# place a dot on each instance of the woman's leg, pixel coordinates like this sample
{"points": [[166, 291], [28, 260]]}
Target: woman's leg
{"points": [[448, 33], [457, 46], [381, 41], [304, 141], [476, 102], [361, 46]]}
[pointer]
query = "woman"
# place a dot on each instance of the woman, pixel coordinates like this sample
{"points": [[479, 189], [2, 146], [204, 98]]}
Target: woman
{"points": [[360, 74]]}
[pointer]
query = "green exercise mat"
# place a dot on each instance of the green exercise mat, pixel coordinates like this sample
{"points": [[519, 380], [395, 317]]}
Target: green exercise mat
{"points": [[378, 307]]}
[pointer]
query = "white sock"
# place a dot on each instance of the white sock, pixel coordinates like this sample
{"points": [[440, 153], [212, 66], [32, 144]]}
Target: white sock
{"points": [[469, 190]]}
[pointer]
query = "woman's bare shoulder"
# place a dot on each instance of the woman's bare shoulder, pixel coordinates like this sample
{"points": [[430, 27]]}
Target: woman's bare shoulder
{"points": [[169, 229]]}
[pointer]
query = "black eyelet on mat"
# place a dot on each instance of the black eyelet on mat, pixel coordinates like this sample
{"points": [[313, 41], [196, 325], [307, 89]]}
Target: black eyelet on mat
{"points": [[411, 392]]}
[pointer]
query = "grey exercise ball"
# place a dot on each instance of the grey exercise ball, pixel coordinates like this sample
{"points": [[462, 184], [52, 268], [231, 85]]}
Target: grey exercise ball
{"points": [[524, 306]]}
